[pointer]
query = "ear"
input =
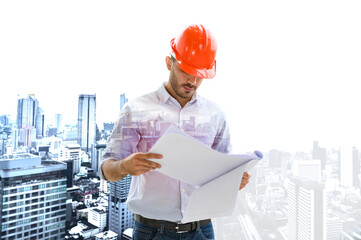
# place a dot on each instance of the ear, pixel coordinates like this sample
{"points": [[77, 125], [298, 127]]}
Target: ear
{"points": [[168, 62]]}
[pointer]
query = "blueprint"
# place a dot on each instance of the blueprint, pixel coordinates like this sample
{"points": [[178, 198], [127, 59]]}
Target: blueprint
{"points": [[217, 176]]}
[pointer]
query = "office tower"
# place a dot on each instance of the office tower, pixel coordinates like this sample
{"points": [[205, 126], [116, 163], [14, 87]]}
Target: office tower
{"points": [[70, 133], [306, 210], [308, 169], [275, 159], [27, 109], [334, 228], [29, 117], [2, 147], [108, 127], [319, 153], [346, 165], [71, 152], [98, 217], [4, 120], [97, 153], [355, 168], [59, 122], [27, 137], [123, 100], [86, 121], [120, 218], [40, 123], [32, 198], [14, 138]]}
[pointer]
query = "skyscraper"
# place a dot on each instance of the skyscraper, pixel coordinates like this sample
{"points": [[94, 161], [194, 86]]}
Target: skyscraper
{"points": [[97, 153], [120, 218], [30, 119], [346, 165], [59, 122], [40, 123], [355, 168], [27, 109], [32, 198], [306, 210], [319, 153], [71, 152], [308, 169], [123, 100], [86, 121]]}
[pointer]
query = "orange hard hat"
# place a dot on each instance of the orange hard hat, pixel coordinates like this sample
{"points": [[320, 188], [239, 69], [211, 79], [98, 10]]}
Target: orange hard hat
{"points": [[195, 50]]}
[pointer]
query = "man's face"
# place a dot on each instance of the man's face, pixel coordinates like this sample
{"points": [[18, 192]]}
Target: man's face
{"points": [[183, 84]]}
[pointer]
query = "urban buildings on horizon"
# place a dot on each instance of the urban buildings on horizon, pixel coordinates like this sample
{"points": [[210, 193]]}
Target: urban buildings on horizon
{"points": [[301, 195]]}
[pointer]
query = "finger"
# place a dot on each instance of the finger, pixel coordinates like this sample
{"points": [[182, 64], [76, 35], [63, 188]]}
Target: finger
{"points": [[140, 171], [246, 174], [149, 155], [148, 163]]}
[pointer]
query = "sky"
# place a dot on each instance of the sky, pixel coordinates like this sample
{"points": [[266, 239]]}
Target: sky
{"points": [[287, 71]]}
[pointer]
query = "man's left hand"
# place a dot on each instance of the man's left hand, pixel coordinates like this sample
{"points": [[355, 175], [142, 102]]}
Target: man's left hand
{"points": [[245, 180]]}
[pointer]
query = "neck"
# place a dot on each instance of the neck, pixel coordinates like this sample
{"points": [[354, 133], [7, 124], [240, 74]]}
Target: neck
{"points": [[180, 100]]}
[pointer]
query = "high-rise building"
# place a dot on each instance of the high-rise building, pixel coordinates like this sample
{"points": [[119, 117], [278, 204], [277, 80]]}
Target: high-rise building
{"points": [[306, 210], [40, 123], [4, 120], [30, 116], [27, 136], [98, 217], [355, 168], [71, 152], [97, 153], [308, 169], [334, 228], [59, 122], [86, 121], [2, 146], [275, 158], [319, 153], [346, 165], [120, 218], [14, 138], [123, 100], [27, 109], [32, 198]]}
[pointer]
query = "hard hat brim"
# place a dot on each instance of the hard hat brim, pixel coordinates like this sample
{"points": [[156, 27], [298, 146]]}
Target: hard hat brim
{"points": [[192, 70]]}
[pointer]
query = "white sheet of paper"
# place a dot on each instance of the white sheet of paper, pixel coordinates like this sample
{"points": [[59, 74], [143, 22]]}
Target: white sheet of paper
{"points": [[214, 199], [216, 174], [192, 162]]}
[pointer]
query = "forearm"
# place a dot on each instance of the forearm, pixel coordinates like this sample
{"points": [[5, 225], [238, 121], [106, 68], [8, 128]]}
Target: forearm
{"points": [[112, 170]]}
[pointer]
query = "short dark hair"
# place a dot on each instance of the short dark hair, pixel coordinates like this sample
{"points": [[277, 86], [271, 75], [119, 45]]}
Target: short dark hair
{"points": [[173, 58]]}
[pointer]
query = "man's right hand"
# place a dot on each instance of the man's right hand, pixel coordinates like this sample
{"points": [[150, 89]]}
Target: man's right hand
{"points": [[137, 163]]}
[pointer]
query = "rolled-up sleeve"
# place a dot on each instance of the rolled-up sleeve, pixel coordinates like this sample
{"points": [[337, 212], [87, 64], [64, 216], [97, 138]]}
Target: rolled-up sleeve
{"points": [[123, 141]]}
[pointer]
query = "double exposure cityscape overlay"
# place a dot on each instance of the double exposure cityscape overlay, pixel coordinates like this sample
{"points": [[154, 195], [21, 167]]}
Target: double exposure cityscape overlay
{"points": [[50, 188]]}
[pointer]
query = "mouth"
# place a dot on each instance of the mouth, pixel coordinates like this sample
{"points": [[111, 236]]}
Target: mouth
{"points": [[188, 88]]}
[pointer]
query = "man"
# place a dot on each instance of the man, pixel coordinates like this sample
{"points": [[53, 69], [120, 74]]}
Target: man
{"points": [[157, 200]]}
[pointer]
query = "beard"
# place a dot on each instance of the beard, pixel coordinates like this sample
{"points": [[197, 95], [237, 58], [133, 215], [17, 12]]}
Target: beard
{"points": [[178, 88]]}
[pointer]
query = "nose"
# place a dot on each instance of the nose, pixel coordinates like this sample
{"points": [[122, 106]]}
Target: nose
{"points": [[192, 79]]}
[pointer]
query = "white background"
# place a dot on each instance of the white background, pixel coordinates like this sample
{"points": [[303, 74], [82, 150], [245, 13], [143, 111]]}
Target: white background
{"points": [[288, 72]]}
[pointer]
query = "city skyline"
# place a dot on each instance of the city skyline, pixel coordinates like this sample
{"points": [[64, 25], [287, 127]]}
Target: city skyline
{"points": [[313, 194], [300, 145], [283, 79]]}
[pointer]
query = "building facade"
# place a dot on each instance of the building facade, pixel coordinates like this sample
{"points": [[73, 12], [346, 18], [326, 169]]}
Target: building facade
{"points": [[32, 198], [86, 121], [306, 210], [120, 218]]}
